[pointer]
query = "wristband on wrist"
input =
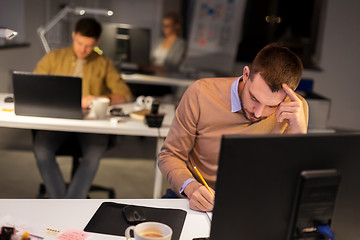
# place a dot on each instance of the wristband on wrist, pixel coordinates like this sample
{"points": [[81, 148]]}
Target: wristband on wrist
{"points": [[185, 184]]}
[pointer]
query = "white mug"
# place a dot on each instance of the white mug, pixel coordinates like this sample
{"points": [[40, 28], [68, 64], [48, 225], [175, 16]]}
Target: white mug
{"points": [[149, 231], [100, 106]]}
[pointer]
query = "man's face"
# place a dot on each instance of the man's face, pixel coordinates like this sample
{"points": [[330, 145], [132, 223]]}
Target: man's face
{"points": [[82, 45], [257, 100]]}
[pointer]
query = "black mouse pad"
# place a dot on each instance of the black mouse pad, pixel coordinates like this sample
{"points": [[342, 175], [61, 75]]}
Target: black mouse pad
{"points": [[110, 219]]}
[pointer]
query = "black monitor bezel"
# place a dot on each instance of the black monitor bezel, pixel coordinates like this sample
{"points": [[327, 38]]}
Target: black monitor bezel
{"points": [[254, 197]]}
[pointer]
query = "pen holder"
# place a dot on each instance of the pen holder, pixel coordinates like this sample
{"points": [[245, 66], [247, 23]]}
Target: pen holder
{"points": [[154, 120]]}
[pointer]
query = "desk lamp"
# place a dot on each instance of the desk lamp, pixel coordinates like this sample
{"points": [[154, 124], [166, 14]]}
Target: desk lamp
{"points": [[42, 30], [7, 33]]}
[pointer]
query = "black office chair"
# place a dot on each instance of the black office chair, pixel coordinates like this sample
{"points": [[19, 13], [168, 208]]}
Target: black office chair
{"points": [[72, 148]]}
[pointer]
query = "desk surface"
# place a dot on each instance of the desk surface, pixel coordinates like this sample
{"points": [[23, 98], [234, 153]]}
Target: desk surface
{"points": [[129, 126], [75, 214], [157, 80]]}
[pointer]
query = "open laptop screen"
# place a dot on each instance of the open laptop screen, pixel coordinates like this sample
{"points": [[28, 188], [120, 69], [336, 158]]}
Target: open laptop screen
{"points": [[258, 184], [47, 95]]}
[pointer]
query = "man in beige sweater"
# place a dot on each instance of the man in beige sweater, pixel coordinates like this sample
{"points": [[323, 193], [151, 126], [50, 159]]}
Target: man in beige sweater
{"points": [[261, 101]]}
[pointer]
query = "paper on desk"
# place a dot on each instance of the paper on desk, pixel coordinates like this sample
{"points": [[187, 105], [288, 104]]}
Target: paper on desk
{"points": [[74, 234], [45, 232]]}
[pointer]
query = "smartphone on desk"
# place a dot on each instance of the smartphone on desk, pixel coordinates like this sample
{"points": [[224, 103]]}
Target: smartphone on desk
{"points": [[118, 112]]}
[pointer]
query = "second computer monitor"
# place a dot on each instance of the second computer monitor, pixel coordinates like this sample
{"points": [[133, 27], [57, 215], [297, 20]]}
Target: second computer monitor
{"points": [[127, 45]]}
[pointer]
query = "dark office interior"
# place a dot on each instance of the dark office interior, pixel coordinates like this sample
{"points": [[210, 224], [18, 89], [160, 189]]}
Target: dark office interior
{"points": [[323, 31]]}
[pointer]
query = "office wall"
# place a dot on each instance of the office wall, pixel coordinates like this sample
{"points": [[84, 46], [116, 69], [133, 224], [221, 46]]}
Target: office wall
{"points": [[339, 59], [24, 17], [339, 63]]}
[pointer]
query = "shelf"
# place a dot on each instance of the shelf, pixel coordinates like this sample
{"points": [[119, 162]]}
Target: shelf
{"points": [[14, 45]]}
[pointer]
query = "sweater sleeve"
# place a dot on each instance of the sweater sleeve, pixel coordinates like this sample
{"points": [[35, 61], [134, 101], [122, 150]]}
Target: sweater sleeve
{"points": [[44, 65], [174, 155], [115, 83]]}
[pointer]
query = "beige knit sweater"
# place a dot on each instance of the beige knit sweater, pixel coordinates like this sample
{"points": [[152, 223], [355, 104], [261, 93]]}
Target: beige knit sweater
{"points": [[202, 117]]}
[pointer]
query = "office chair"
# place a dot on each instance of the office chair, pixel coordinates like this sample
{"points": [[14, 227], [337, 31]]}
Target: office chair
{"points": [[72, 148]]}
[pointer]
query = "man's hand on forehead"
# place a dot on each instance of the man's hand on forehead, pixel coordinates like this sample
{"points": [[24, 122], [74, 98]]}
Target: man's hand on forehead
{"points": [[292, 112]]}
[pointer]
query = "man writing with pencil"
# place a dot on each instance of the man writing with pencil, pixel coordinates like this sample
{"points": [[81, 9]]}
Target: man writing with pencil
{"points": [[261, 101]]}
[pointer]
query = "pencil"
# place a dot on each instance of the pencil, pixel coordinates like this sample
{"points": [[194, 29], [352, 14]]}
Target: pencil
{"points": [[204, 182]]}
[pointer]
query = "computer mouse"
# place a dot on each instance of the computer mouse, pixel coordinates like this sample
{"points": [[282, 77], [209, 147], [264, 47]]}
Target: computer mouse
{"points": [[134, 214], [9, 99]]}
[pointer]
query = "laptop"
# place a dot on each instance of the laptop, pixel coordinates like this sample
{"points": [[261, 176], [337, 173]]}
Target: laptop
{"points": [[261, 192], [47, 95]]}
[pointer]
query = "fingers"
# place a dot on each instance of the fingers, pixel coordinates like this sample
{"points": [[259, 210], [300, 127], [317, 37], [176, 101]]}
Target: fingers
{"points": [[287, 107], [85, 102], [290, 93], [293, 114], [202, 200]]}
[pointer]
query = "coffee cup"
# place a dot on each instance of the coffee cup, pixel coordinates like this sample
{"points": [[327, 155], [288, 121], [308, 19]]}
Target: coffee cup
{"points": [[149, 231], [100, 106]]}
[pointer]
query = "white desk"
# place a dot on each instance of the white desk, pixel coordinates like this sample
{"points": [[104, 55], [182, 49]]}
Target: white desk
{"points": [[75, 214], [130, 126]]}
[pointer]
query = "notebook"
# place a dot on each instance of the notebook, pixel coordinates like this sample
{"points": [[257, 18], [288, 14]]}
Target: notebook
{"points": [[47, 95]]}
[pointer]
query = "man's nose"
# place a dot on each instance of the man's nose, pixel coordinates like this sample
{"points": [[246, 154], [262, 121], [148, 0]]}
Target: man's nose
{"points": [[258, 110]]}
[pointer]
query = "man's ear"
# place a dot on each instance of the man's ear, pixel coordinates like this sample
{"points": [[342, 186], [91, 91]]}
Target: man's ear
{"points": [[73, 35], [246, 73]]}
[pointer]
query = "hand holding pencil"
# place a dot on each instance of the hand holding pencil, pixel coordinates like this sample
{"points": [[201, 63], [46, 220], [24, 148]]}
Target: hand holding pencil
{"points": [[201, 196], [204, 182]]}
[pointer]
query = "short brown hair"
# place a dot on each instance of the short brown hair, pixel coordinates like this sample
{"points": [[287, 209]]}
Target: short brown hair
{"points": [[278, 65], [88, 27]]}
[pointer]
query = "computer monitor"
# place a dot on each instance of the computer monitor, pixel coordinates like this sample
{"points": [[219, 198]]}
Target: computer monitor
{"points": [[258, 190], [129, 46]]}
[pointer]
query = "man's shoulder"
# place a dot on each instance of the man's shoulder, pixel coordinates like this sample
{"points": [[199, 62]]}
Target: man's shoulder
{"points": [[216, 81], [301, 97], [96, 57], [60, 52], [211, 85]]}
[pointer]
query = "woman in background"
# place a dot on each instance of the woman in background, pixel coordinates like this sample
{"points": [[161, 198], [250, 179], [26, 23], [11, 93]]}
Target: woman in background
{"points": [[169, 52]]}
